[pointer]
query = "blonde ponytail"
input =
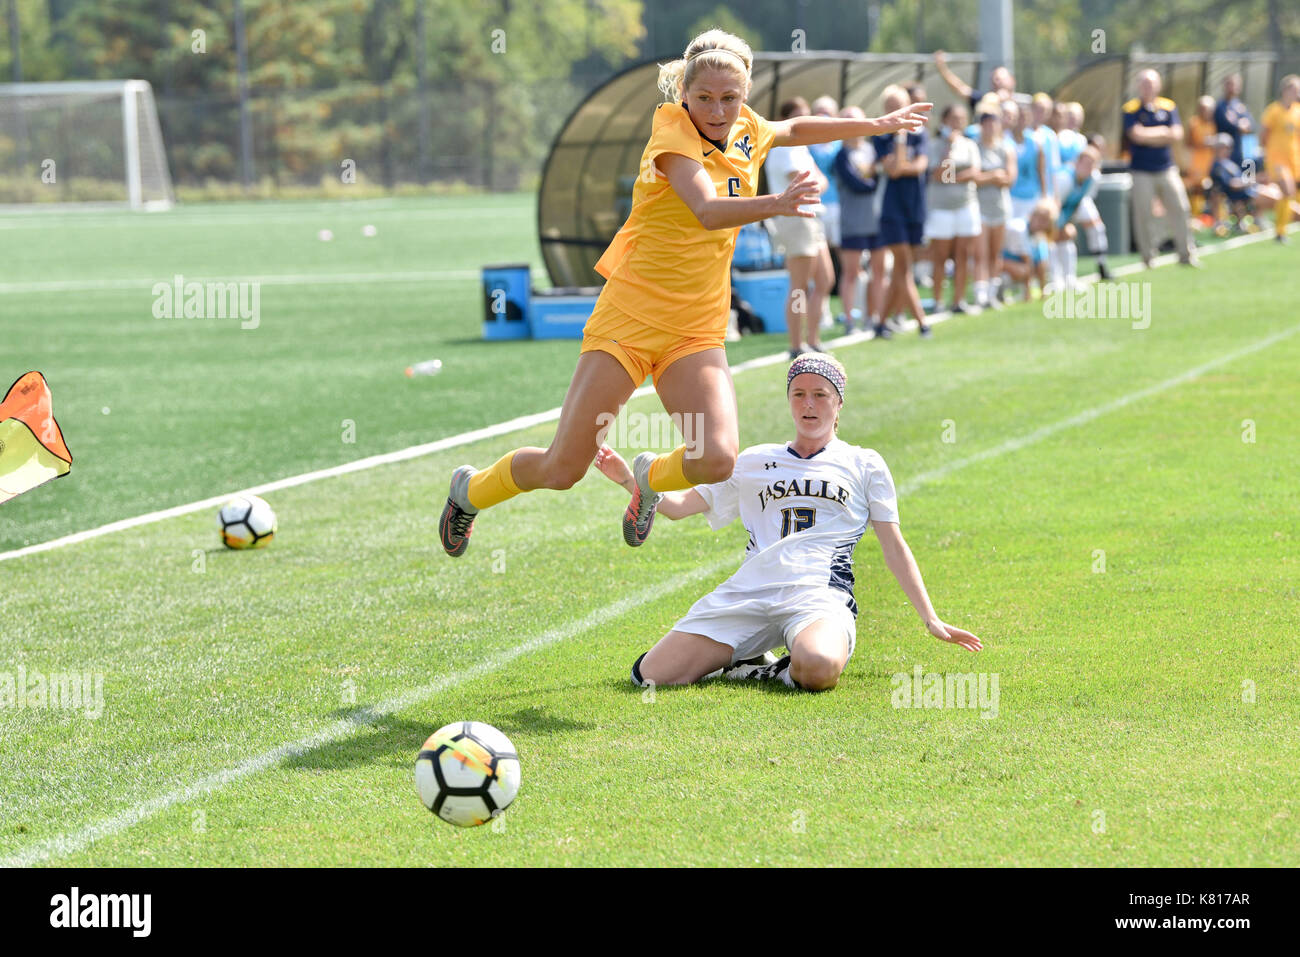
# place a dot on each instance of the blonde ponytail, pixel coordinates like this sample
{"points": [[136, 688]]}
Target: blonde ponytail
{"points": [[711, 50]]}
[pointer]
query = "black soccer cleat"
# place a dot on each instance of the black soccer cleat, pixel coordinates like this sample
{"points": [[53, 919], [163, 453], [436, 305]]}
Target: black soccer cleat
{"points": [[458, 515], [640, 513], [765, 668]]}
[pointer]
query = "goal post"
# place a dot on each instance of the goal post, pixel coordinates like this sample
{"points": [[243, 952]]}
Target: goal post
{"points": [[82, 142]]}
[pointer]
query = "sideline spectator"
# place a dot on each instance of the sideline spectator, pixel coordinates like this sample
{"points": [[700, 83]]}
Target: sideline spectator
{"points": [[1028, 245], [1031, 168], [1075, 190], [1151, 126], [806, 257], [1232, 117], [904, 158], [1040, 113], [823, 155], [953, 220], [1004, 84], [855, 168], [1244, 197], [1067, 121], [1202, 134], [1281, 122], [997, 173]]}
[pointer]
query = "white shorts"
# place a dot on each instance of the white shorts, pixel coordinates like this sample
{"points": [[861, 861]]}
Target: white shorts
{"points": [[1086, 212], [753, 621], [797, 235], [1022, 207], [953, 223], [830, 220]]}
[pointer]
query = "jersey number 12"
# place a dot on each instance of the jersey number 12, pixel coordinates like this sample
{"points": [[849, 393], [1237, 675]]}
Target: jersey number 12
{"points": [[797, 519]]}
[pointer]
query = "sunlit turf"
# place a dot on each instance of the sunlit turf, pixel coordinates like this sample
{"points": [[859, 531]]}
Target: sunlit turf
{"points": [[1133, 575]]}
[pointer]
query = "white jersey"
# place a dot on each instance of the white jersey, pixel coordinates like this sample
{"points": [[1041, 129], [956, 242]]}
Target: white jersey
{"points": [[804, 515]]}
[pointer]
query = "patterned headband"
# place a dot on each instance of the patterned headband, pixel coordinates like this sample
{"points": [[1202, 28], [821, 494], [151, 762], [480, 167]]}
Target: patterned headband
{"points": [[817, 365], [719, 50]]}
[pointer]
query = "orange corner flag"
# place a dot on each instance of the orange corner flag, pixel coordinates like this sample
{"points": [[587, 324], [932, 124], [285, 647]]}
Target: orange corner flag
{"points": [[32, 450]]}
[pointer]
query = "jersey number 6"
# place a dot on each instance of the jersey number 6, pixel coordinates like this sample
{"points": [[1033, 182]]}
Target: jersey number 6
{"points": [[797, 519]]}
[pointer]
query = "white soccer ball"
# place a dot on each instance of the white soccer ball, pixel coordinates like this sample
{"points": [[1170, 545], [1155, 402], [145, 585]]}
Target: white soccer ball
{"points": [[467, 773], [369, 230], [246, 522], [325, 235]]}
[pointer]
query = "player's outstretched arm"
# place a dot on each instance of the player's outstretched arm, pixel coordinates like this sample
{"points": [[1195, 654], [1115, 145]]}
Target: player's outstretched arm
{"points": [[806, 130], [673, 505], [898, 557]]}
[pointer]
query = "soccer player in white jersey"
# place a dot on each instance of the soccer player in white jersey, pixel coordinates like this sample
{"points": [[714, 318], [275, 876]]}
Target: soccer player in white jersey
{"points": [[805, 504]]}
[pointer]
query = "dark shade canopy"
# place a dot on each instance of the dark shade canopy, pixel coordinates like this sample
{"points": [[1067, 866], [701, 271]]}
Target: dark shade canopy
{"points": [[593, 162]]}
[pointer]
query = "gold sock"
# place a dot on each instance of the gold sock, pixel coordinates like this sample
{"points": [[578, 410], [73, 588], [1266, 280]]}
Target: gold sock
{"points": [[494, 485], [666, 473], [1283, 214]]}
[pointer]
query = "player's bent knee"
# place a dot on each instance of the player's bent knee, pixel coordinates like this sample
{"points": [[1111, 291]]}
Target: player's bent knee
{"points": [[715, 465], [564, 475], [816, 671]]}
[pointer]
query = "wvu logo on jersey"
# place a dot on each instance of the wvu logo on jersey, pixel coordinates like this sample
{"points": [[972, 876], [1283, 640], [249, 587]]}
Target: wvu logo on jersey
{"points": [[811, 488], [744, 145]]}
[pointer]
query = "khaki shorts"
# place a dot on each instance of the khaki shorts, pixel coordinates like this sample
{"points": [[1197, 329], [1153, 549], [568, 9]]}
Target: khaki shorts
{"points": [[798, 236]]}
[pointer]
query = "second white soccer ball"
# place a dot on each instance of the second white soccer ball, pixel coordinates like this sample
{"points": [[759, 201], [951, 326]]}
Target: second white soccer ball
{"points": [[246, 521]]}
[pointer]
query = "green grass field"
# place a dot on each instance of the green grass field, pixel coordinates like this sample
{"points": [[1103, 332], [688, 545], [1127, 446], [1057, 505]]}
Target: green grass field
{"points": [[1077, 492]]}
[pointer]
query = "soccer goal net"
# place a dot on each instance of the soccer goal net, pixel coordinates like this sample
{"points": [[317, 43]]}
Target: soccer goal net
{"points": [[87, 142]]}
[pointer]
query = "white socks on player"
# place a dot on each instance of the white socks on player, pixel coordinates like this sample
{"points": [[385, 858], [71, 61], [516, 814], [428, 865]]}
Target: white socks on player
{"points": [[1064, 265], [982, 292], [1096, 237]]}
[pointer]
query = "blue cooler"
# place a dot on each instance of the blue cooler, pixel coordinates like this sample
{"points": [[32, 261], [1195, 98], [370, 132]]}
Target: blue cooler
{"points": [[561, 313], [766, 291], [506, 291]]}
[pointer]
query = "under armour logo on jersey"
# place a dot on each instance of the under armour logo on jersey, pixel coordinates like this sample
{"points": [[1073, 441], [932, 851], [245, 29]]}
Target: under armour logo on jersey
{"points": [[743, 145], [769, 465]]}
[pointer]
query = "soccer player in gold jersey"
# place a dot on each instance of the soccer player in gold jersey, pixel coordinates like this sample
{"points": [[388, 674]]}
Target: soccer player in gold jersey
{"points": [[663, 311], [1281, 142]]}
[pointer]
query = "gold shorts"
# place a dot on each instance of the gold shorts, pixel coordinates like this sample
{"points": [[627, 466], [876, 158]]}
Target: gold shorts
{"points": [[642, 350]]}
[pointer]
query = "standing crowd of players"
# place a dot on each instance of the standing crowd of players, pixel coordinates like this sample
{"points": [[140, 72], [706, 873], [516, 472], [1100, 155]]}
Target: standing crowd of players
{"points": [[1003, 189]]}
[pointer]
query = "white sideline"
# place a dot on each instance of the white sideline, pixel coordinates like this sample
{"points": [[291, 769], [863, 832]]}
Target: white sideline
{"points": [[75, 841], [359, 465], [71, 843], [286, 279], [464, 438]]}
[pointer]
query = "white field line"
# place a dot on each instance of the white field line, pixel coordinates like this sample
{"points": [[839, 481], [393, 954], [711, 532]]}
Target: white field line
{"points": [[288, 279], [74, 841], [360, 465], [324, 214], [465, 438]]}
